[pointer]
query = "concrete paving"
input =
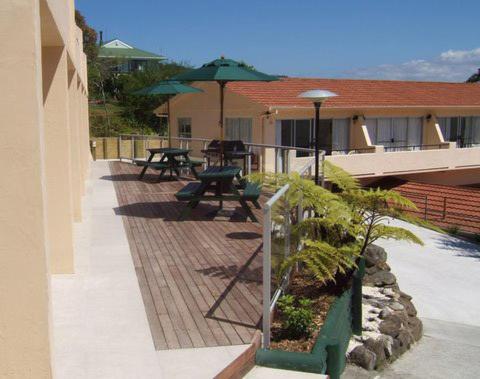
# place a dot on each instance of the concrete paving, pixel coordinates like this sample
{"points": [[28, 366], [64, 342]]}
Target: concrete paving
{"points": [[443, 277], [100, 328], [270, 373]]}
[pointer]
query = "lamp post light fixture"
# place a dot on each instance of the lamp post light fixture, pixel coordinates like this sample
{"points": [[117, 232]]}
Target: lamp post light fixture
{"points": [[317, 96]]}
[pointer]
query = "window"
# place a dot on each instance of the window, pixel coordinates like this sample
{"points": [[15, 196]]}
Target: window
{"points": [[463, 130], [185, 127], [398, 133], [341, 135], [238, 129], [295, 133]]}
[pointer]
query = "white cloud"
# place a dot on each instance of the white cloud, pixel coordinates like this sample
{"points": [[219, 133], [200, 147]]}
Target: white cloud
{"points": [[450, 66]]}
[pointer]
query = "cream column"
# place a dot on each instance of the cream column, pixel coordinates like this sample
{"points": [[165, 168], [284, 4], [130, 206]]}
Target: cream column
{"points": [[80, 126], [57, 159], [24, 277], [75, 147], [432, 134]]}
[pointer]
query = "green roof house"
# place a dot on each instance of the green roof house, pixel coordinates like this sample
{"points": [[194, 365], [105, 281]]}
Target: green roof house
{"points": [[129, 57]]}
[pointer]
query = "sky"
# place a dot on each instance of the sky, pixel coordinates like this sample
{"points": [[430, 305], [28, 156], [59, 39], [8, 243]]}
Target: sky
{"points": [[380, 39]]}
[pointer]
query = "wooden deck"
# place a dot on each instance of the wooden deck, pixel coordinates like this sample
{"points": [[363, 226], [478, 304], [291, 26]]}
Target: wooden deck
{"points": [[200, 278]]}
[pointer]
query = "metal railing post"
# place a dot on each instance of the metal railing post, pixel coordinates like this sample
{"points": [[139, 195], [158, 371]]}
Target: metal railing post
{"points": [[132, 146], [426, 205], [267, 231], [444, 208], [323, 170], [249, 160], [276, 160]]}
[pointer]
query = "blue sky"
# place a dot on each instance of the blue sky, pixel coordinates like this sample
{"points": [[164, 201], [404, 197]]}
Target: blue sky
{"points": [[423, 39]]}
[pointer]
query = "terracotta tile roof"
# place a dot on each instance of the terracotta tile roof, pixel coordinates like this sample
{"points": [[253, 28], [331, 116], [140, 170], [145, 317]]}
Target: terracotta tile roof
{"points": [[355, 93], [447, 206]]}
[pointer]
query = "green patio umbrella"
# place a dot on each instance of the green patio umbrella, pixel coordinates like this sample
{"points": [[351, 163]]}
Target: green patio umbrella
{"points": [[223, 71], [167, 87]]}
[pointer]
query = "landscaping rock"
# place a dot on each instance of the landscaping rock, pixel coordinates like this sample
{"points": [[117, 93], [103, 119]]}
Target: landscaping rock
{"points": [[408, 305], [381, 278], [375, 255], [405, 339], [387, 342], [385, 313], [396, 306], [389, 321], [415, 327], [378, 348], [390, 326], [363, 357], [404, 295]]}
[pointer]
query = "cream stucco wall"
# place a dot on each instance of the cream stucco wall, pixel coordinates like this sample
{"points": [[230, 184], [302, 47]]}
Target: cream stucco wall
{"points": [[41, 47]]}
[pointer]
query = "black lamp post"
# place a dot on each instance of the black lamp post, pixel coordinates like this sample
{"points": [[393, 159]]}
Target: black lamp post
{"points": [[317, 96]]}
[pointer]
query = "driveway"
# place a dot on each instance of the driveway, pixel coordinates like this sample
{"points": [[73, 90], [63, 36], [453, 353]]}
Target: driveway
{"points": [[444, 279]]}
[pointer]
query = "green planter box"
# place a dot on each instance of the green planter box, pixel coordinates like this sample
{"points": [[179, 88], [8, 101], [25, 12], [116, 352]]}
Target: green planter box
{"points": [[328, 354]]}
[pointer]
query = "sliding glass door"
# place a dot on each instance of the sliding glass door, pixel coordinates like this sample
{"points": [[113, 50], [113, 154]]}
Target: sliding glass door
{"points": [[334, 134], [238, 129], [465, 131], [395, 134]]}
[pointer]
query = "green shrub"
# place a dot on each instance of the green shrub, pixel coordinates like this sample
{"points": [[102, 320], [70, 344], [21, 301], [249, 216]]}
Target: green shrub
{"points": [[453, 229], [297, 317]]}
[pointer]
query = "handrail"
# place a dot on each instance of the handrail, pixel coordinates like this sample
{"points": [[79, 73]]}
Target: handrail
{"points": [[393, 149]]}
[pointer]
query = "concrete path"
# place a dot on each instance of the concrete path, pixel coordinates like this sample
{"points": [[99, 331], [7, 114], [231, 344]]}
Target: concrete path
{"points": [[100, 327], [271, 373], [444, 279]]}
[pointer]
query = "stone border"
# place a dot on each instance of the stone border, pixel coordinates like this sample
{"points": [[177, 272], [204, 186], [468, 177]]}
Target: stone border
{"points": [[389, 318]]}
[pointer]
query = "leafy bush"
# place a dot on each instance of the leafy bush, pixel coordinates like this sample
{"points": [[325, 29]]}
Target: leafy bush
{"points": [[297, 317], [453, 229]]}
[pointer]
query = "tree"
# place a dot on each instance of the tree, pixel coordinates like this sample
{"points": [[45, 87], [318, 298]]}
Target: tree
{"points": [[474, 78], [90, 35], [344, 223]]}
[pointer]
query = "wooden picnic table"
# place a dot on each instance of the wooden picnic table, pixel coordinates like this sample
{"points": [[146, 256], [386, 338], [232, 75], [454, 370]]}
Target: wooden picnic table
{"points": [[217, 184], [173, 159]]}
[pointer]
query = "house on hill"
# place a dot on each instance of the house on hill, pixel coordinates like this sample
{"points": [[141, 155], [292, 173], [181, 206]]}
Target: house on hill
{"points": [[129, 57]]}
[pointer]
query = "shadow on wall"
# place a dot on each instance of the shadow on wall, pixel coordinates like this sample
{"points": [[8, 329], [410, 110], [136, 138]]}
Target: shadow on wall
{"points": [[460, 247]]}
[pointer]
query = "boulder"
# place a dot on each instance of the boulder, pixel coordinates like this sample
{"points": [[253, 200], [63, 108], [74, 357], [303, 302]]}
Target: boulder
{"points": [[371, 270], [408, 305], [387, 342], [396, 306], [375, 255], [363, 357], [380, 279], [415, 327], [385, 313], [405, 340], [378, 348], [404, 295], [390, 326]]}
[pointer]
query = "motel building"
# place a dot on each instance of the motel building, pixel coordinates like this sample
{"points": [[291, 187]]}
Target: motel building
{"points": [[422, 131], [44, 160]]}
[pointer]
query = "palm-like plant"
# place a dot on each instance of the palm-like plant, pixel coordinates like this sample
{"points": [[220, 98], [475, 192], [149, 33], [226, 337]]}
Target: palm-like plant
{"points": [[344, 222]]}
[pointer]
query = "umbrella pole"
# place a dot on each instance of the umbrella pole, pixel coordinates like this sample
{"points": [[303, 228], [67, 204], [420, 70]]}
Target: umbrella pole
{"points": [[222, 94], [168, 124]]}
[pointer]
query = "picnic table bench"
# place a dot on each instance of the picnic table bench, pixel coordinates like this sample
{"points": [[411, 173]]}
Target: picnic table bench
{"points": [[216, 184], [172, 159]]}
